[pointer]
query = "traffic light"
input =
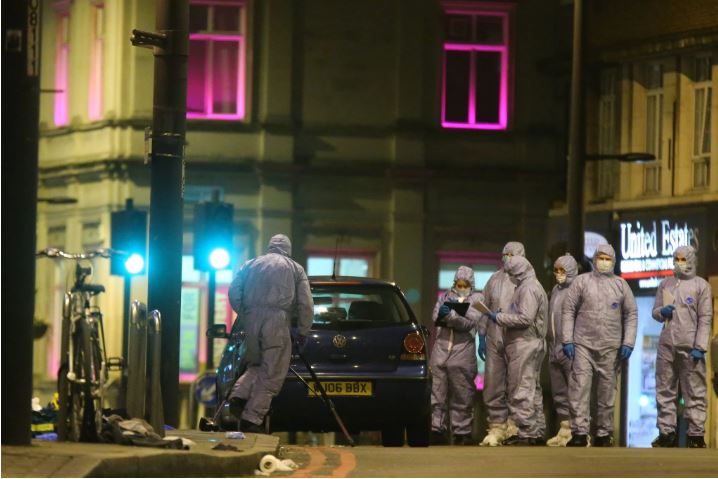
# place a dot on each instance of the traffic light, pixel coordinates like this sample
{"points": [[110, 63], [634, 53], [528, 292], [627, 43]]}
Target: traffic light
{"points": [[129, 236], [213, 231]]}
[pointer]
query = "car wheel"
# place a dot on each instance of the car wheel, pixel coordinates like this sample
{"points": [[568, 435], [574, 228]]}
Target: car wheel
{"points": [[417, 433], [392, 436]]}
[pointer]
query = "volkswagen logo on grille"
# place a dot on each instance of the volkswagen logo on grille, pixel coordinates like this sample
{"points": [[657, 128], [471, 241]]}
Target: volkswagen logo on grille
{"points": [[339, 341]]}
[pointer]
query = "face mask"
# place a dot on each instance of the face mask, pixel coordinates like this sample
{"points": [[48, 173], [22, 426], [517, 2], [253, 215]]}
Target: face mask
{"points": [[604, 266], [463, 292], [681, 267], [560, 277]]}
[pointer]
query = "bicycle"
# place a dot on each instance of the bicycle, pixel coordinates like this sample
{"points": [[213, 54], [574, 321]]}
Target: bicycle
{"points": [[84, 366]]}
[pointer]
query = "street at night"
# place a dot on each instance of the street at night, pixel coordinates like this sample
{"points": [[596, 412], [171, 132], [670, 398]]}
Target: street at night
{"points": [[472, 238]]}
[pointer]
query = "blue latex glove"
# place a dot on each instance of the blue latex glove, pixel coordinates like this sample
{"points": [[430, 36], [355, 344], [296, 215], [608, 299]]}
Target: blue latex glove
{"points": [[569, 350], [697, 354], [667, 311], [492, 316], [441, 322], [625, 352], [482, 348], [444, 310]]}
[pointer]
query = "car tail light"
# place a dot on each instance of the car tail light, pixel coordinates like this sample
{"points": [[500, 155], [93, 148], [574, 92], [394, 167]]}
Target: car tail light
{"points": [[414, 347]]}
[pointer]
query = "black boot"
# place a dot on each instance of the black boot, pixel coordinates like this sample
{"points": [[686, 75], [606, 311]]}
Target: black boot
{"points": [[603, 441], [515, 440], [696, 442], [463, 440], [665, 440], [578, 440], [236, 406], [246, 426], [538, 441], [438, 438]]}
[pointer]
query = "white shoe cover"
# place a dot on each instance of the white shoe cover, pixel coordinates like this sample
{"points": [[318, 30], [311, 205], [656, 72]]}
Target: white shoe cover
{"points": [[496, 434], [563, 436]]}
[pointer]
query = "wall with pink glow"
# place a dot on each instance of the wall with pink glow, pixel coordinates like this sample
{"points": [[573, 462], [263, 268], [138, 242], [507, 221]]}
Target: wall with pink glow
{"points": [[94, 98], [62, 50]]}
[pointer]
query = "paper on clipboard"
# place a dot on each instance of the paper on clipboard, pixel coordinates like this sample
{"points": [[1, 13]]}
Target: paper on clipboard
{"points": [[480, 306], [667, 297]]}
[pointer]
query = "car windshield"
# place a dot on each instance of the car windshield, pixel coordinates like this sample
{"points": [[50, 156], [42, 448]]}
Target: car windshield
{"points": [[338, 306]]}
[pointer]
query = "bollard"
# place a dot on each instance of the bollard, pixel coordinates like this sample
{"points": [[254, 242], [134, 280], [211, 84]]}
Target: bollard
{"points": [[137, 360], [154, 336]]}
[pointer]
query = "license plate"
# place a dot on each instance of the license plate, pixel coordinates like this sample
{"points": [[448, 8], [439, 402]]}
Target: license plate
{"points": [[343, 388]]}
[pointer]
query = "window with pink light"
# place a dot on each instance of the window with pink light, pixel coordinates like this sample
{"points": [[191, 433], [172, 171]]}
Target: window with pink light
{"points": [[62, 51], [216, 63], [97, 40], [475, 84]]}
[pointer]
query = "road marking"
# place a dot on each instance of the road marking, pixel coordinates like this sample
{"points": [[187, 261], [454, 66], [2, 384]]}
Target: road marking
{"points": [[318, 460], [347, 463]]}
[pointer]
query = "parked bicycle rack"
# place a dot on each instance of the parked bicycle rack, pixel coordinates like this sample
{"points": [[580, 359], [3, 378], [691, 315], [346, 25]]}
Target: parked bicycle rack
{"points": [[144, 393]]}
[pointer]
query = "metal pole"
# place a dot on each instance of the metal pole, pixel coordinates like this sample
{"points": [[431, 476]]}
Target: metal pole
{"points": [[167, 181], [211, 289], [577, 139], [125, 336], [20, 117]]}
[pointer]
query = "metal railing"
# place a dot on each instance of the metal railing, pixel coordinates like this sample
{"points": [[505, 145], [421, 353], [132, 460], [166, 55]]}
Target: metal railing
{"points": [[144, 393]]}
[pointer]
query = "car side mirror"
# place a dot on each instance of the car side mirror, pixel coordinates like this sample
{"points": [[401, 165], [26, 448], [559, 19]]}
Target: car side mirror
{"points": [[217, 331]]}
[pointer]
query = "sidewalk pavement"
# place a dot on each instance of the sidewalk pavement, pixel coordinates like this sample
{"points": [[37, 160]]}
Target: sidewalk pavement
{"points": [[64, 459]]}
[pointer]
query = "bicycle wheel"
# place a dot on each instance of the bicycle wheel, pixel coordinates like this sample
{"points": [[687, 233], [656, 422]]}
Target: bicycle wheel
{"points": [[82, 425], [63, 384], [99, 373], [64, 399]]}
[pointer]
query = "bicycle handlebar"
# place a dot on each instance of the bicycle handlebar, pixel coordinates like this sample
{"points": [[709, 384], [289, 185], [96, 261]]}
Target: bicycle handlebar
{"points": [[58, 253]]}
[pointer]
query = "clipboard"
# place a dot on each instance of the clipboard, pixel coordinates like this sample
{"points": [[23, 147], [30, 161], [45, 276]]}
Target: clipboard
{"points": [[460, 308], [481, 307], [668, 297]]}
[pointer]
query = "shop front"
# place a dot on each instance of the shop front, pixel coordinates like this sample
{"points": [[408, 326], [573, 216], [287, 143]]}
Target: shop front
{"points": [[644, 241]]}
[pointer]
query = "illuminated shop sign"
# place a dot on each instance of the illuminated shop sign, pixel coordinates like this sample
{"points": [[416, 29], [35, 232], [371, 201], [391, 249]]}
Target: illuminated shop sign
{"points": [[647, 248]]}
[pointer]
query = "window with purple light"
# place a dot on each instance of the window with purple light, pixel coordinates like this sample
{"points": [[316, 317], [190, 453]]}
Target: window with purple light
{"points": [[475, 91], [216, 63], [62, 50], [97, 42]]}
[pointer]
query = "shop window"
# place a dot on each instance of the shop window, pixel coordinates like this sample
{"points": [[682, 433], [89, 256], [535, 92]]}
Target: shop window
{"points": [[97, 40], [484, 265], [193, 318], [606, 172], [217, 59], [62, 52], [641, 411], [653, 78], [702, 93], [475, 89], [349, 263]]}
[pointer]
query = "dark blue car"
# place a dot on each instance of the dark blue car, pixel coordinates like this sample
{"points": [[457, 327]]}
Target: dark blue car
{"points": [[370, 354]]}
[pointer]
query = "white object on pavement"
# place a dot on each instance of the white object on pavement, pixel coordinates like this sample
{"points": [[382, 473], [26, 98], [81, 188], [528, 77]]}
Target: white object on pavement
{"points": [[269, 464]]}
